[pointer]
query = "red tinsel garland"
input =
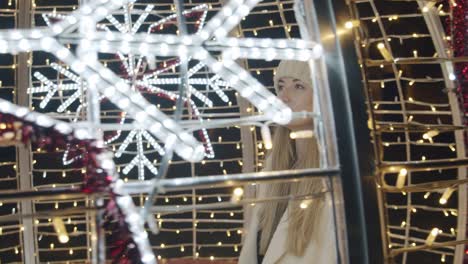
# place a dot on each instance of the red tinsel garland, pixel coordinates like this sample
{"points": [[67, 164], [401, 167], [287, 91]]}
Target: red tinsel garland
{"points": [[459, 28], [13, 130]]}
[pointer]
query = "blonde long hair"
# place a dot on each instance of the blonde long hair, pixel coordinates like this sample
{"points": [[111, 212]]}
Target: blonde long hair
{"points": [[301, 221]]}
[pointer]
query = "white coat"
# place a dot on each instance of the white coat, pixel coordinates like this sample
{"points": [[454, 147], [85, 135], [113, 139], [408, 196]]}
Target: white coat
{"points": [[321, 249]]}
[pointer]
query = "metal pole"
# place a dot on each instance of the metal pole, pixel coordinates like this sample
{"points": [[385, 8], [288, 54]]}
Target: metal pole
{"points": [[93, 113], [44, 194], [227, 180], [307, 15], [23, 152]]}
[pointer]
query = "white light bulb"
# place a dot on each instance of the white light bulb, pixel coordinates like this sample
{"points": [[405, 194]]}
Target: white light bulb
{"points": [[401, 178]]}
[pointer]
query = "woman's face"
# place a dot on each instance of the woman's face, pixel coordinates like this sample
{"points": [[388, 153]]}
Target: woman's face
{"points": [[298, 96]]}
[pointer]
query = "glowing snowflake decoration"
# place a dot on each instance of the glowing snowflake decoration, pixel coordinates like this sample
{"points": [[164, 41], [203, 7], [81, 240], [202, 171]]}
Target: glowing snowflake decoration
{"points": [[140, 159], [52, 88], [136, 76], [58, 87]]}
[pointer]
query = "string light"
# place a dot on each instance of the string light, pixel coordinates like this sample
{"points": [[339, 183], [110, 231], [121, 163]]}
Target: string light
{"points": [[430, 134], [452, 77], [446, 195], [352, 23], [301, 134], [401, 178], [266, 136], [426, 195], [400, 73], [435, 109], [432, 236], [237, 194], [384, 52], [305, 204]]}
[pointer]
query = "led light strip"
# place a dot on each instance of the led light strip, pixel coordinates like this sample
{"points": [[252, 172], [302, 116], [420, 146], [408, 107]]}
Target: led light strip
{"points": [[202, 7], [171, 45], [173, 96], [142, 18], [227, 18]]}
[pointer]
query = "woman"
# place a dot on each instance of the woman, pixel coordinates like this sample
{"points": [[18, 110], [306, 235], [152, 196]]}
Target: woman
{"points": [[301, 230]]}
